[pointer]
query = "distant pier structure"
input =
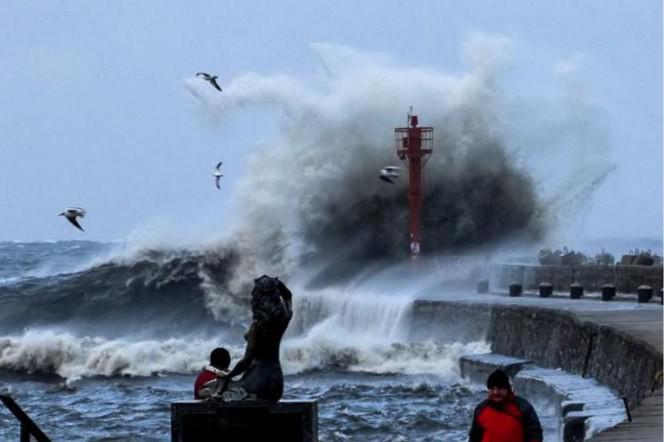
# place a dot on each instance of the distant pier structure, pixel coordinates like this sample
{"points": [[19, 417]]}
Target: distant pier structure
{"points": [[414, 145]]}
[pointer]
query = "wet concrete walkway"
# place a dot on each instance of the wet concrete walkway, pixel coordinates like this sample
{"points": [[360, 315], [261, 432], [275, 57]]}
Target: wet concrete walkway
{"points": [[647, 423], [640, 323]]}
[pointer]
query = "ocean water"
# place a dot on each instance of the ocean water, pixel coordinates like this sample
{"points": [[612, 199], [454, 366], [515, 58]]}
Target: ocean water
{"points": [[96, 344]]}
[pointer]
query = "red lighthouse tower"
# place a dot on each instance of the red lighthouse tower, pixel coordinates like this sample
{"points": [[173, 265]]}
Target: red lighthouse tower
{"points": [[415, 145]]}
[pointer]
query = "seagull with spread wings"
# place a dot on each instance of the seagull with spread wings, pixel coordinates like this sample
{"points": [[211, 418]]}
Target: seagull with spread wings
{"points": [[71, 214], [211, 78], [389, 173], [217, 174]]}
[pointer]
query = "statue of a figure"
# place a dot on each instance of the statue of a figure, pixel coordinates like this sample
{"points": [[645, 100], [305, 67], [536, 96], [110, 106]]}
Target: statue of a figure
{"points": [[271, 306]]}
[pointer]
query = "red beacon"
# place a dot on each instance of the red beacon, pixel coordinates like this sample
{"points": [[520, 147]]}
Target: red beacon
{"points": [[414, 144]]}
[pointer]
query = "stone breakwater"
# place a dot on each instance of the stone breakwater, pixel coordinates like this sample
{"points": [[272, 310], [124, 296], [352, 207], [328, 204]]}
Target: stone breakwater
{"points": [[550, 338]]}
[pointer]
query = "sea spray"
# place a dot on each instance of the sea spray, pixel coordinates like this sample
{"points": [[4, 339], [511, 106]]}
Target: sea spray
{"points": [[355, 330]]}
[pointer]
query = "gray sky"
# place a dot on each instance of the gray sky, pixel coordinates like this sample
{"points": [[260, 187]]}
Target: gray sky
{"points": [[96, 111]]}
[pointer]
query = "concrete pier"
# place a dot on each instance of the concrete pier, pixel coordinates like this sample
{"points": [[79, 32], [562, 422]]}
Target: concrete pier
{"points": [[647, 423]]}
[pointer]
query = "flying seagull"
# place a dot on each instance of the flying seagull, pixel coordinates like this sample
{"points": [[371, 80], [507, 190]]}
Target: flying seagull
{"points": [[389, 173], [217, 174], [72, 213], [211, 78]]}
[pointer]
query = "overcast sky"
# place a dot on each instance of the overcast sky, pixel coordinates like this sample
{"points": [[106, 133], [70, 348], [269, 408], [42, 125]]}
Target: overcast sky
{"points": [[96, 110]]}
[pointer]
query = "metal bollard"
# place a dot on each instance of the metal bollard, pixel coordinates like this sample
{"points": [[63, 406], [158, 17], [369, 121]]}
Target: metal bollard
{"points": [[483, 286], [627, 412], [645, 293], [545, 289], [608, 292], [515, 290], [575, 290]]}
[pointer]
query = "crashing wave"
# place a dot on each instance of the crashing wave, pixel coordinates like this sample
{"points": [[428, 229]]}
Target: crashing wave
{"points": [[172, 290]]}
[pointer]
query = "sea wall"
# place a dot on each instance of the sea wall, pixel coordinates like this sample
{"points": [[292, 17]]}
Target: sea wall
{"points": [[626, 278], [449, 321], [550, 338]]}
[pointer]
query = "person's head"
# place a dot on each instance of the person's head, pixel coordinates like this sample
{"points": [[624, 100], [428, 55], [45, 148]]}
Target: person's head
{"points": [[498, 385], [220, 358]]}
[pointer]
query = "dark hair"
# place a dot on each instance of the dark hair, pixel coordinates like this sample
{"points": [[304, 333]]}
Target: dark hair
{"points": [[220, 358], [498, 379]]}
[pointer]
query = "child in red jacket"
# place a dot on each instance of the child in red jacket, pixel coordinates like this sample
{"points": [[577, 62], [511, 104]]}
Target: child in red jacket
{"points": [[209, 380]]}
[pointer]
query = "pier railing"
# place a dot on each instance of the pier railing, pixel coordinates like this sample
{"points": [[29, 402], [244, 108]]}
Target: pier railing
{"points": [[28, 426]]}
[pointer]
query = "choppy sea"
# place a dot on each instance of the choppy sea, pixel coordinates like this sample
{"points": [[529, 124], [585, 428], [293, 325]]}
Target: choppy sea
{"points": [[95, 344]]}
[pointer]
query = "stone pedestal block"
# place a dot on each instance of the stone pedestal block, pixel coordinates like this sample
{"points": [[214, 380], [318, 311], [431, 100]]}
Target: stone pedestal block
{"points": [[199, 421]]}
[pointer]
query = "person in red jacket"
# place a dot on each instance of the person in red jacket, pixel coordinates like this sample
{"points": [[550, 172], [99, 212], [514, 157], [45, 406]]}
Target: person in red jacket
{"points": [[208, 381], [503, 416]]}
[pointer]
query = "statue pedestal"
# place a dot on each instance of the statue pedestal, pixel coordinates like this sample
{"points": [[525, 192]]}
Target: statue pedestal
{"points": [[244, 421]]}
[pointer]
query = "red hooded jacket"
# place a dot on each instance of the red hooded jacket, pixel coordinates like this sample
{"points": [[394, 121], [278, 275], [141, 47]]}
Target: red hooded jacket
{"points": [[206, 382], [511, 420]]}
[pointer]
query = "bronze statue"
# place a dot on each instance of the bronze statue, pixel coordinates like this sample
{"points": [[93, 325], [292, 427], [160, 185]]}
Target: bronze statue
{"points": [[271, 306]]}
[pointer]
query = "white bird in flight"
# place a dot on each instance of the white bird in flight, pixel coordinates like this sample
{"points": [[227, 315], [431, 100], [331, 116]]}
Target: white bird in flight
{"points": [[211, 78], [390, 173], [217, 174], [71, 214]]}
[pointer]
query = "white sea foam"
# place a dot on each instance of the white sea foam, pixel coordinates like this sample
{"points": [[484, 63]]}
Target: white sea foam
{"points": [[73, 357], [351, 330], [358, 330]]}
